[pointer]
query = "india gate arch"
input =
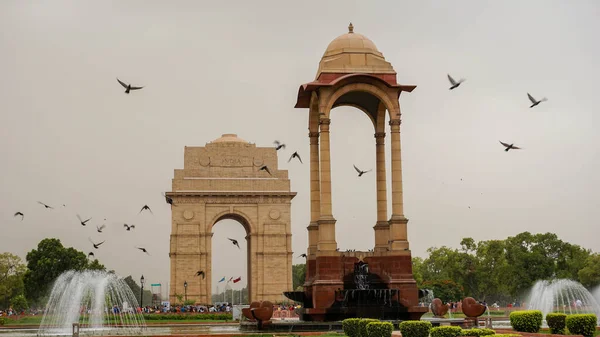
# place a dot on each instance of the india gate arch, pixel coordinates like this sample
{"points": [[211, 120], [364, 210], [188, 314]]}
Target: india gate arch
{"points": [[221, 181], [353, 72]]}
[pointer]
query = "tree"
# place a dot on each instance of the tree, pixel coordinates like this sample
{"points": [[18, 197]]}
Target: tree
{"points": [[12, 271], [298, 275], [445, 290], [135, 288], [19, 303], [589, 275], [47, 262]]}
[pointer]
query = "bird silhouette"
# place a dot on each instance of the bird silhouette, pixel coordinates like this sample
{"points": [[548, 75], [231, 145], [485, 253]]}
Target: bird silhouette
{"points": [[454, 83], [303, 255], [360, 172], [91, 254], [295, 155], [99, 229], [534, 101], [168, 199], [143, 250], [41, 203], [128, 87], [145, 208], [201, 273], [96, 245], [265, 168], [21, 214], [83, 222], [509, 146], [129, 228], [278, 145], [235, 242]]}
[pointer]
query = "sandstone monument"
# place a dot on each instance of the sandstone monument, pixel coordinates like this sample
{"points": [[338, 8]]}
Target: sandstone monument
{"points": [[222, 181]]}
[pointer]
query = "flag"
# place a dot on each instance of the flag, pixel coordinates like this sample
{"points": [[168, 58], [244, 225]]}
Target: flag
{"points": [[222, 280], [230, 279], [237, 280]]}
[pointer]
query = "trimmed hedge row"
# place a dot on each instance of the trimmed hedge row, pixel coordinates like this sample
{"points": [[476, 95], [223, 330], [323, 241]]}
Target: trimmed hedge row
{"points": [[477, 332], [351, 327], [582, 324], [526, 320], [556, 322], [186, 317], [446, 331], [415, 328], [2, 321], [380, 329]]}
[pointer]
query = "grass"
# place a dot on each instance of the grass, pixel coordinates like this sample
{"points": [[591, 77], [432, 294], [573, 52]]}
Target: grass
{"points": [[546, 330], [36, 320]]}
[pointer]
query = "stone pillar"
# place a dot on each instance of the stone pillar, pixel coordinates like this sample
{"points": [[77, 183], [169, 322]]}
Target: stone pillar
{"points": [[326, 241], [315, 195], [398, 234], [382, 226]]}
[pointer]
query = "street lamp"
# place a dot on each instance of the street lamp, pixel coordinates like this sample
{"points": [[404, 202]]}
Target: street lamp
{"points": [[142, 292], [185, 289]]}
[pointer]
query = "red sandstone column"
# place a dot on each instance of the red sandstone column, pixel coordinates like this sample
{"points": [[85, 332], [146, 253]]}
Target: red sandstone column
{"points": [[382, 226], [398, 232], [315, 195], [326, 241]]}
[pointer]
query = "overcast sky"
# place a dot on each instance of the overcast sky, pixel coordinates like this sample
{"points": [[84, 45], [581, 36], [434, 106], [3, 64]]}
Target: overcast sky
{"points": [[69, 135]]}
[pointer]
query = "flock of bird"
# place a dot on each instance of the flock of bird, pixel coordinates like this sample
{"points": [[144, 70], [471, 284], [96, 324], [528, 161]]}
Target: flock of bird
{"points": [[534, 102], [278, 146]]}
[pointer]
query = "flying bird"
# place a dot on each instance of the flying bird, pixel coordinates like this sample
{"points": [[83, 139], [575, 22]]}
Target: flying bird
{"points": [[278, 145], [128, 87], [360, 172], [96, 245], [295, 155], [99, 229], [265, 168], [143, 250], [201, 273], [83, 222], [235, 242], [41, 203], [168, 199], [129, 228], [21, 214], [303, 255], [145, 208], [454, 83], [534, 101], [91, 254], [510, 146]]}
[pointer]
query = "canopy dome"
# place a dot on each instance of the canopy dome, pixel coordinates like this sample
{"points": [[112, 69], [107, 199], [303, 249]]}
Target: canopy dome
{"points": [[353, 53]]}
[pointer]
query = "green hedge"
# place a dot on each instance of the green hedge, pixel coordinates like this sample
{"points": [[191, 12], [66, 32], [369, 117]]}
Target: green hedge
{"points": [[477, 332], [446, 331], [415, 328], [2, 321], [380, 329], [526, 320], [362, 326], [185, 317], [556, 322], [582, 324], [351, 327]]}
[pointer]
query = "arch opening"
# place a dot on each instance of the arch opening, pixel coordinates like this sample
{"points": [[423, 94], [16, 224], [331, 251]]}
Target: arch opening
{"points": [[228, 262]]}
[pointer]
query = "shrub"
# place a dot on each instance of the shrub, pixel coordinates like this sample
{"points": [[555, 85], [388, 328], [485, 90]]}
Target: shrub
{"points": [[415, 328], [582, 324], [446, 331], [351, 327], [2, 321], [526, 320], [177, 317], [476, 332], [380, 329], [362, 325], [556, 323]]}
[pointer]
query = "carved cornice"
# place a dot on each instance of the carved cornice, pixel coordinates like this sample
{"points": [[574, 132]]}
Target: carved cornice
{"points": [[324, 121], [313, 134], [236, 198], [395, 122]]}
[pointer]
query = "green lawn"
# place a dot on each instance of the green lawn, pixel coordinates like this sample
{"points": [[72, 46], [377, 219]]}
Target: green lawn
{"points": [[36, 320]]}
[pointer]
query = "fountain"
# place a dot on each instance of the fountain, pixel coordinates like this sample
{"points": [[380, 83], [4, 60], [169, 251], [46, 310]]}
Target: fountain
{"points": [[562, 295], [99, 301]]}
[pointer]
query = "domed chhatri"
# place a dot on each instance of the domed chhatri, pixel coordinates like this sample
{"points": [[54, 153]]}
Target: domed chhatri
{"points": [[353, 53], [229, 138]]}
